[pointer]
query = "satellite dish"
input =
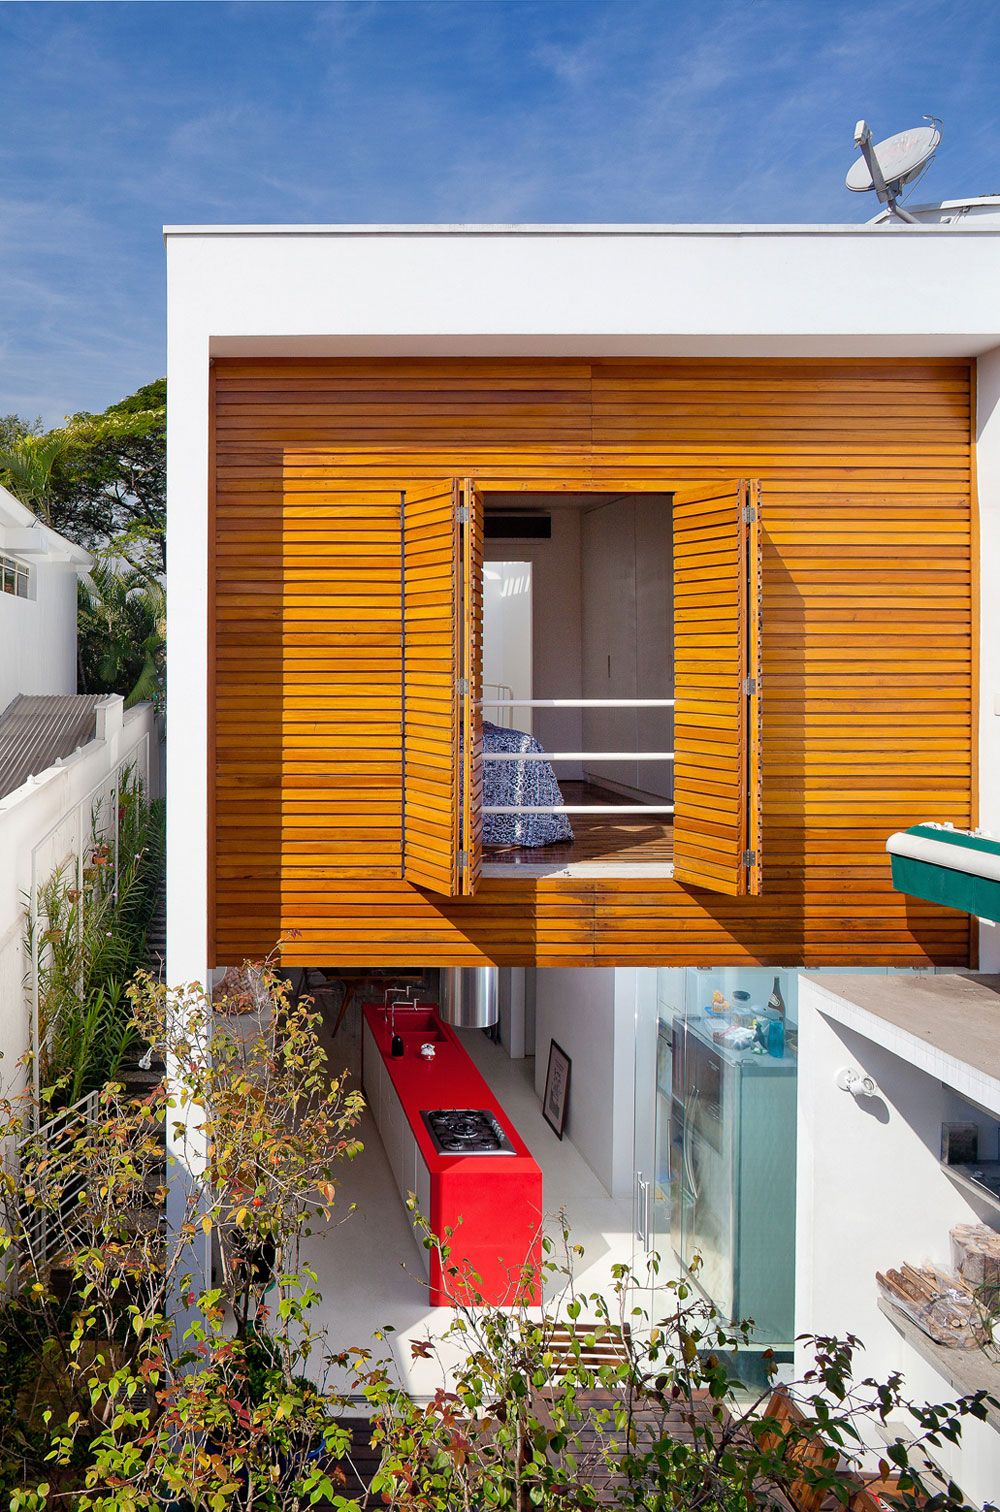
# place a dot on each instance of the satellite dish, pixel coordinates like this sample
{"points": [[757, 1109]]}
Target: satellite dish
{"points": [[889, 166]]}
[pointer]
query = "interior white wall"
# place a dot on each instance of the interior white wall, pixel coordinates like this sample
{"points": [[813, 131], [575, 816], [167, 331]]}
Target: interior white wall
{"points": [[627, 563], [872, 1194], [38, 634], [988, 471], [507, 636], [590, 1012], [556, 632]]}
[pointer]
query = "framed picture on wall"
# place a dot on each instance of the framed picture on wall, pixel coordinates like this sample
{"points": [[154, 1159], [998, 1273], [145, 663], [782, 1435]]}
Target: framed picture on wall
{"points": [[556, 1098]]}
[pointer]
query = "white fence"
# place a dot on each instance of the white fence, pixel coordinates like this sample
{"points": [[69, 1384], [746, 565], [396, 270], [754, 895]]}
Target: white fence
{"points": [[52, 1226], [46, 824]]}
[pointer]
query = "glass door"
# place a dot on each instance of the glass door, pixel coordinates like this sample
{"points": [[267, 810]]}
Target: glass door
{"points": [[656, 1157], [715, 1091]]}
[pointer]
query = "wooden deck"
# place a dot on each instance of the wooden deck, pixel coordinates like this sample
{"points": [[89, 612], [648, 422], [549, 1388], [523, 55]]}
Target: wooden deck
{"points": [[604, 838]]}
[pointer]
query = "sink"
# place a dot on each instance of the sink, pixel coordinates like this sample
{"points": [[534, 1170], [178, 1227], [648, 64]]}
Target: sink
{"points": [[418, 1021], [432, 1036]]}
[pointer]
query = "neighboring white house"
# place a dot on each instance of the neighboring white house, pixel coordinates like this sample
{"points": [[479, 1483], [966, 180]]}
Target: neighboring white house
{"points": [[38, 577], [58, 749]]}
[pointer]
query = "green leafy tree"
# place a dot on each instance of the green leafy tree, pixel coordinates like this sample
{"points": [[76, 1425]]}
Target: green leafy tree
{"points": [[29, 465], [99, 479], [150, 1384], [598, 1402], [13, 427], [121, 639], [109, 488]]}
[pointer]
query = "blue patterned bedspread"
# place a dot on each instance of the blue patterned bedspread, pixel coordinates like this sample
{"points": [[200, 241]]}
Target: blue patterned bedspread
{"points": [[528, 782]]}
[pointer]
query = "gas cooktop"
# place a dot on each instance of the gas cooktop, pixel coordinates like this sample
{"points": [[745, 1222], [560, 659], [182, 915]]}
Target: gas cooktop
{"points": [[466, 1131]]}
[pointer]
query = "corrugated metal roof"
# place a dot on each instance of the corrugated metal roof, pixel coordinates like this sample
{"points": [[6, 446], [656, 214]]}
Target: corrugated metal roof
{"points": [[37, 728]]}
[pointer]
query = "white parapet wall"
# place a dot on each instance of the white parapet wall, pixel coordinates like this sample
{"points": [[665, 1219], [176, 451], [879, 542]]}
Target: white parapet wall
{"points": [[39, 828], [871, 1192]]}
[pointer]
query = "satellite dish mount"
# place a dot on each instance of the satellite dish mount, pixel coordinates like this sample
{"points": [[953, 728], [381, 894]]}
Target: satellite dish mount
{"points": [[889, 166]]}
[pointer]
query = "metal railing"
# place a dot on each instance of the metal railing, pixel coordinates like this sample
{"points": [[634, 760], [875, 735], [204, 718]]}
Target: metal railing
{"points": [[558, 756], [52, 1225]]}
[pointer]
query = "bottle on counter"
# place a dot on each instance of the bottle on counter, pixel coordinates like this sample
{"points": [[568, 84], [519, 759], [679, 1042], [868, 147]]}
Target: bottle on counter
{"points": [[775, 1034], [776, 1001]]}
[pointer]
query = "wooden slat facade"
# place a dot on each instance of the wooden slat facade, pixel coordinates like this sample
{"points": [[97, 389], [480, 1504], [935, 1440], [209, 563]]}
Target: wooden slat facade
{"points": [[868, 646]]}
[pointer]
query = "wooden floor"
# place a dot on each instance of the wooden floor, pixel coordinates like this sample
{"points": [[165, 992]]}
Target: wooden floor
{"points": [[605, 838]]}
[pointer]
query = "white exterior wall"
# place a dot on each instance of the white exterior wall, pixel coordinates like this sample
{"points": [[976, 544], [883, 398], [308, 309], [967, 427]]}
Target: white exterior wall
{"points": [[41, 815], [38, 634], [988, 468], [872, 1194], [594, 291]]}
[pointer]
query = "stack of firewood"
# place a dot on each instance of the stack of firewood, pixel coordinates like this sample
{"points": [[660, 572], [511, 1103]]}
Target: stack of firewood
{"points": [[940, 1304], [975, 1255]]}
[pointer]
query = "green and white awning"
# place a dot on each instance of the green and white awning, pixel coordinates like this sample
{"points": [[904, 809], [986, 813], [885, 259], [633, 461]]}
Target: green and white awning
{"points": [[950, 866]]}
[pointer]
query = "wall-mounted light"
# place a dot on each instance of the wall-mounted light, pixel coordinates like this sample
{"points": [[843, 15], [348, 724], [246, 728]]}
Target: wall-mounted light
{"points": [[858, 1083]]}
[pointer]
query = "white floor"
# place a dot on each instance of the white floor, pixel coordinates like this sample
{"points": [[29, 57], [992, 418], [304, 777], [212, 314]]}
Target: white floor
{"points": [[368, 1265]]}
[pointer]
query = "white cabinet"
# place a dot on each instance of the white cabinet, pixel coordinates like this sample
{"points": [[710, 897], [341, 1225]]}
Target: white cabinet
{"points": [[409, 1170], [422, 1189], [373, 1071]]}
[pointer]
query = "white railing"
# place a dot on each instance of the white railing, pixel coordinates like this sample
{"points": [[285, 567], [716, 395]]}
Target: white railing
{"points": [[52, 1225], [503, 700], [578, 703], [579, 808], [66, 840], [556, 756]]}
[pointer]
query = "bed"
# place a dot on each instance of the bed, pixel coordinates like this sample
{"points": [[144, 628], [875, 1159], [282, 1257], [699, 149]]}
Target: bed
{"points": [[519, 782]]}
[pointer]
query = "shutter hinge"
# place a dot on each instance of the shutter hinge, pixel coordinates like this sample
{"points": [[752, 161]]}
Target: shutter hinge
{"points": [[462, 686], [463, 859], [749, 859], [462, 513], [749, 514], [749, 686]]}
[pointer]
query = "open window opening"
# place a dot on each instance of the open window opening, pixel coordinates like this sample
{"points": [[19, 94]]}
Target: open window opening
{"points": [[620, 731], [578, 681]]}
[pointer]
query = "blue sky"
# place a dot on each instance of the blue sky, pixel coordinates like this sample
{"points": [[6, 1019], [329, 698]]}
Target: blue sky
{"points": [[117, 118]]}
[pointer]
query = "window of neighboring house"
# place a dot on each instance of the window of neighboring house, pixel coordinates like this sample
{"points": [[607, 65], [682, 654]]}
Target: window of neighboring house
{"points": [[15, 576]]}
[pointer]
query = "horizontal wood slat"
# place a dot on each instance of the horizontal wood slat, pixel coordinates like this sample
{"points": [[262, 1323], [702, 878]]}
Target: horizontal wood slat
{"points": [[868, 645]]}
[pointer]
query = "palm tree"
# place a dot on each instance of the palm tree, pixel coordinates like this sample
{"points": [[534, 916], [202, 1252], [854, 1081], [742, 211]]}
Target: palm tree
{"points": [[122, 633], [27, 464]]}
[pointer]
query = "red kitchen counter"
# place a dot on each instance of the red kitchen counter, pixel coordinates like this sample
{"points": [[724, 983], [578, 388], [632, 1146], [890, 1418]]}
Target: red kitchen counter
{"points": [[493, 1203]]}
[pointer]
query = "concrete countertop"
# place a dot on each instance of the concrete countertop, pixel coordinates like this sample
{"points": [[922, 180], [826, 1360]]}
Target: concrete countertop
{"points": [[947, 1025]]}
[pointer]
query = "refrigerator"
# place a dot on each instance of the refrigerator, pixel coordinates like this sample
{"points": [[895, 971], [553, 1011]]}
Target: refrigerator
{"points": [[731, 1175]]}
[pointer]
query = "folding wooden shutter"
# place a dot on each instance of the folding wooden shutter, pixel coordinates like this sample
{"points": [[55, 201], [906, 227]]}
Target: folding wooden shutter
{"points": [[471, 686], [442, 619], [717, 624]]}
